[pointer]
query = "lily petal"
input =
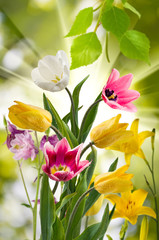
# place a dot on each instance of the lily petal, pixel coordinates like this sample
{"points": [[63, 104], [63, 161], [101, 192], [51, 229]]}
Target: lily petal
{"points": [[146, 211]]}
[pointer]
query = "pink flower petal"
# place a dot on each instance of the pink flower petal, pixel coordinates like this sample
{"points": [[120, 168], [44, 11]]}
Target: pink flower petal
{"points": [[122, 83], [114, 76], [130, 107], [49, 153], [70, 157], [61, 148], [64, 176], [127, 96], [82, 165], [78, 154]]}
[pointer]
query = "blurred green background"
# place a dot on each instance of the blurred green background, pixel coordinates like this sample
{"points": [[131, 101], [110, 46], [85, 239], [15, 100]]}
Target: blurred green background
{"points": [[31, 29]]}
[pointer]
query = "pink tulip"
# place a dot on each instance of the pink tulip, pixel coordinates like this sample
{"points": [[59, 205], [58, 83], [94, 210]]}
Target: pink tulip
{"points": [[116, 94], [62, 162]]}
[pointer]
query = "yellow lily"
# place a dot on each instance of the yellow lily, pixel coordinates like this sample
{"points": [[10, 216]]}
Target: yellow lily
{"points": [[133, 144], [110, 131], [114, 182], [129, 205], [30, 117]]}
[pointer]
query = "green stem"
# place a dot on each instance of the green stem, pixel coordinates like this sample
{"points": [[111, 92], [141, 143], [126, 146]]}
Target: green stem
{"points": [[86, 147], [123, 230], [106, 47], [155, 195], [56, 131], [85, 117], [94, 10], [100, 14], [37, 192], [75, 210], [72, 112], [26, 191], [55, 188]]}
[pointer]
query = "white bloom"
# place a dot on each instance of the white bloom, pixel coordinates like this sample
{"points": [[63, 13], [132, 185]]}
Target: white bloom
{"points": [[52, 73]]}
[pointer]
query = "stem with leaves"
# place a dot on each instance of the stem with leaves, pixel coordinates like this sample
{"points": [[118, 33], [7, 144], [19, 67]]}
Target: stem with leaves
{"points": [[123, 230], [100, 15]]}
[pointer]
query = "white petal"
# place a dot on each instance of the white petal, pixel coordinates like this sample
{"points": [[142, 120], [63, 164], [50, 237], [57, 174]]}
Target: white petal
{"points": [[45, 71], [36, 76], [61, 55], [54, 64]]}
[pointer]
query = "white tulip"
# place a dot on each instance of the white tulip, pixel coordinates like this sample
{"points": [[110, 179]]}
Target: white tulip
{"points": [[52, 73]]}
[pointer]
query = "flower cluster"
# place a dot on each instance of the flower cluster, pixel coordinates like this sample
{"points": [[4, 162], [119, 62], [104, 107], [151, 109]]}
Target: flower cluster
{"points": [[62, 153]]}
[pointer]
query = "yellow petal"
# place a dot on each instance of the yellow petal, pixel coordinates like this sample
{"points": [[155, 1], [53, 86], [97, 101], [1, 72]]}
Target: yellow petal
{"points": [[132, 219], [140, 154], [139, 196], [143, 135], [114, 185], [114, 199], [96, 207], [104, 128], [134, 126], [146, 211], [109, 175]]}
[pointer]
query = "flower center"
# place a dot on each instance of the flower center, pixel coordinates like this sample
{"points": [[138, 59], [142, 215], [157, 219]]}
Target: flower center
{"points": [[130, 207], [57, 78], [59, 168], [110, 95]]}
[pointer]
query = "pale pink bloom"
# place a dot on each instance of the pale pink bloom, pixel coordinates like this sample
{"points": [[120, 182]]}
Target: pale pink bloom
{"points": [[116, 93], [62, 162], [51, 139], [23, 146]]}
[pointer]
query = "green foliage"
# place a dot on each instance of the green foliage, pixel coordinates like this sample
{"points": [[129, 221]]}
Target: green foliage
{"points": [[92, 198], [116, 21], [113, 166], [82, 22], [91, 157], [58, 230], [135, 45], [64, 201], [89, 232], [47, 209], [85, 50], [132, 9]]}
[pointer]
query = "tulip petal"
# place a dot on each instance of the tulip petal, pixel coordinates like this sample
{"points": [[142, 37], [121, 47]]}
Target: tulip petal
{"points": [[129, 107], [70, 157], [122, 83], [50, 155], [61, 148], [127, 96], [52, 62], [64, 176], [114, 76]]}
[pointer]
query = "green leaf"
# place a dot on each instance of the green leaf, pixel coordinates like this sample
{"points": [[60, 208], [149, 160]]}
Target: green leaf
{"points": [[60, 124], [113, 165], [58, 230], [116, 21], [65, 200], [92, 198], [66, 118], [89, 232], [81, 188], [47, 209], [135, 45], [90, 170], [132, 9], [26, 205], [75, 97], [88, 120], [82, 22], [74, 141], [85, 50], [103, 225], [109, 237]]}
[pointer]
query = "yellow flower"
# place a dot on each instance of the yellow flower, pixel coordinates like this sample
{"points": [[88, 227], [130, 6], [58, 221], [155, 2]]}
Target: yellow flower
{"points": [[129, 205], [144, 229], [110, 131], [96, 206], [133, 144], [30, 117], [114, 182]]}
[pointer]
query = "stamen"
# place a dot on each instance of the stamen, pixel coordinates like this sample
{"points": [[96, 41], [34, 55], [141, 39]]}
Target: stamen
{"points": [[110, 95]]}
